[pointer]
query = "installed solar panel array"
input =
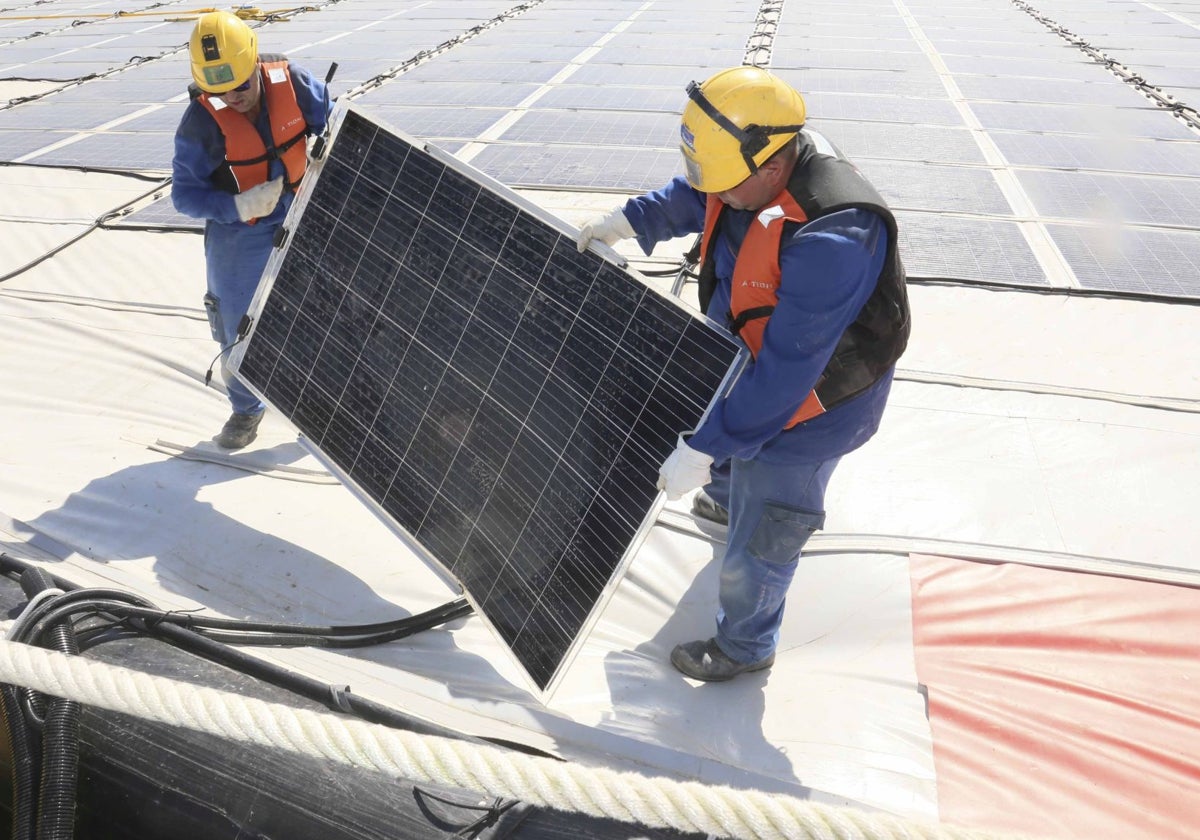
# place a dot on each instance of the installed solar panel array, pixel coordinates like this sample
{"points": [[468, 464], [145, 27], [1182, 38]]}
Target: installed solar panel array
{"points": [[1009, 152], [965, 116], [502, 398]]}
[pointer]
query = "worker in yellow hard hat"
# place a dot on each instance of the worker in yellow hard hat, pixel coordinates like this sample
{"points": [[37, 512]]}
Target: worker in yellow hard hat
{"points": [[799, 260], [240, 154]]}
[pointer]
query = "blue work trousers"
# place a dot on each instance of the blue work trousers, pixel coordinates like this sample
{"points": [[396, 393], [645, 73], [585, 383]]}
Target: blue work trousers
{"points": [[773, 509], [235, 256]]}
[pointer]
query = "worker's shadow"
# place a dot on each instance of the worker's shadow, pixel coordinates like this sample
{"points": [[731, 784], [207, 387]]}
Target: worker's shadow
{"points": [[718, 721], [157, 511]]}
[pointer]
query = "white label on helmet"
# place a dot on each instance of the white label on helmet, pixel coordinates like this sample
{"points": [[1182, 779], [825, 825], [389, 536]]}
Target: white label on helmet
{"points": [[276, 75]]}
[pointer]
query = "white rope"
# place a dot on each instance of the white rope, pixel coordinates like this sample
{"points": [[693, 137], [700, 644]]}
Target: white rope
{"points": [[656, 802]]}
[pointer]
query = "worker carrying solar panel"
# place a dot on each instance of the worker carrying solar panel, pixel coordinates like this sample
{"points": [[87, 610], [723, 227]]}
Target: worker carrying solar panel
{"points": [[240, 153], [799, 258]]}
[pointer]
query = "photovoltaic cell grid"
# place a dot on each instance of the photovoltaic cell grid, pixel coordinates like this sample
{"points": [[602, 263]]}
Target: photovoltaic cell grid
{"points": [[449, 94], [145, 150], [1100, 154], [47, 115], [1147, 121], [15, 144], [602, 168], [503, 399], [459, 123], [1124, 259], [596, 128], [901, 142], [977, 249], [1037, 71], [1122, 199]]}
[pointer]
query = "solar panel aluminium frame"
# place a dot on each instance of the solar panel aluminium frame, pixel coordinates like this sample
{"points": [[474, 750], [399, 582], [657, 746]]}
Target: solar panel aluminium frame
{"points": [[606, 267]]}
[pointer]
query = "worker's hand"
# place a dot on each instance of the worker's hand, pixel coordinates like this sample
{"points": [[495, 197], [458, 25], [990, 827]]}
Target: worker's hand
{"points": [[609, 229], [259, 201], [685, 469]]}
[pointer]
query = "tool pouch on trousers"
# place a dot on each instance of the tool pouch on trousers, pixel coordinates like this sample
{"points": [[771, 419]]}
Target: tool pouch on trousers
{"points": [[782, 531], [212, 309]]}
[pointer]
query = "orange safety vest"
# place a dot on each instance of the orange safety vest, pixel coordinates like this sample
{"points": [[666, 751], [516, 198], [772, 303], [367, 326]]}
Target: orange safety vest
{"points": [[879, 334], [247, 157]]}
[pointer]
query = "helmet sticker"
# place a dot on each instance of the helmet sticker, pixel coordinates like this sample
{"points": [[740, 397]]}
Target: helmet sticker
{"points": [[689, 139], [220, 74]]}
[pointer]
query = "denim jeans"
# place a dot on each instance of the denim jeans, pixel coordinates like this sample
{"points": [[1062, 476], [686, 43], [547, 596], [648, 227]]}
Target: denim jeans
{"points": [[773, 510], [235, 256]]}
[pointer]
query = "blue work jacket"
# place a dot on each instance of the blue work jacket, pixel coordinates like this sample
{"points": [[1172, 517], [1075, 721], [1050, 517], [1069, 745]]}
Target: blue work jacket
{"points": [[829, 269]]}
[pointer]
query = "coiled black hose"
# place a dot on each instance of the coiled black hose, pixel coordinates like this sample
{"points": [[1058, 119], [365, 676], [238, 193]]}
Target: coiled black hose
{"points": [[23, 745], [60, 734]]}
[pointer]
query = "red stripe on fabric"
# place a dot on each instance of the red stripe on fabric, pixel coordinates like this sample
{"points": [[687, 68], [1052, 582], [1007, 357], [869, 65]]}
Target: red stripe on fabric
{"points": [[1062, 705]]}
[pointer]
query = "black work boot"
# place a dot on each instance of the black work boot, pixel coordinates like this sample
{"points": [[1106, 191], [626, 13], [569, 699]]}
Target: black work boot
{"points": [[239, 430], [703, 660], [704, 507]]}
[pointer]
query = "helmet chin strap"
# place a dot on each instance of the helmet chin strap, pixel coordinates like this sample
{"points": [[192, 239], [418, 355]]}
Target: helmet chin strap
{"points": [[752, 139]]}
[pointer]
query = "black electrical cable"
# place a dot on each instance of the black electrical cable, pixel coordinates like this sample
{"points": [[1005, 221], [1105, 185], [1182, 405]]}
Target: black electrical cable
{"points": [[208, 374], [104, 170], [337, 698], [117, 601], [1137, 80], [36, 615], [1052, 291], [73, 80], [667, 272], [245, 633], [64, 245], [491, 815]]}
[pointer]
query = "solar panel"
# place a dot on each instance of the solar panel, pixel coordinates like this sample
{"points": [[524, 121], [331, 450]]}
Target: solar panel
{"points": [[934, 245], [935, 144], [47, 114], [158, 214], [1131, 259], [501, 399], [579, 167], [601, 128], [118, 150]]}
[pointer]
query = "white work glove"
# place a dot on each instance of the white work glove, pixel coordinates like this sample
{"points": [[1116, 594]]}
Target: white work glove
{"points": [[314, 144], [259, 201], [609, 229], [685, 469]]}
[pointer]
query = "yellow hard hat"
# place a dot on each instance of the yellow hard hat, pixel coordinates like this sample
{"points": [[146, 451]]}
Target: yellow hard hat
{"points": [[733, 123], [224, 52]]}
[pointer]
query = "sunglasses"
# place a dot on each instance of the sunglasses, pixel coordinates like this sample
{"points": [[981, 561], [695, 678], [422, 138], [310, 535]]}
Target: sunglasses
{"points": [[243, 87]]}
